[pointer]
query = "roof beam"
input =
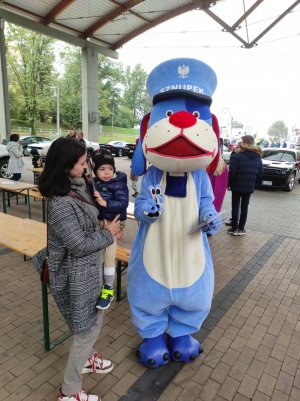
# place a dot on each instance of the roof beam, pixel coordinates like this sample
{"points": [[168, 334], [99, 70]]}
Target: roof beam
{"points": [[109, 17], [254, 42], [56, 11], [226, 27], [244, 16], [56, 33], [201, 4]]}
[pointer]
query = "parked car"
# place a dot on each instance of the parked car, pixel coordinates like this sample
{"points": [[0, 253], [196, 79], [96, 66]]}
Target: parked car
{"points": [[281, 168], [28, 140], [4, 157], [129, 150], [43, 147], [226, 154], [117, 148]]}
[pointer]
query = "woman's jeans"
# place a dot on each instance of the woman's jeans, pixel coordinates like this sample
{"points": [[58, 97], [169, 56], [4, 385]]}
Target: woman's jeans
{"points": [[239, 200]]}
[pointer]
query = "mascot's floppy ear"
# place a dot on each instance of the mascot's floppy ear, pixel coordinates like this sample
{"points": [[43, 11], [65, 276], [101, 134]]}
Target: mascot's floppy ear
{"points": [[138, 160], [213, 165]]}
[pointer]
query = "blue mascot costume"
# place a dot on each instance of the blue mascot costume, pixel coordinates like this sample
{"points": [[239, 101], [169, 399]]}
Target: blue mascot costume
{"points": [[170, 274]]}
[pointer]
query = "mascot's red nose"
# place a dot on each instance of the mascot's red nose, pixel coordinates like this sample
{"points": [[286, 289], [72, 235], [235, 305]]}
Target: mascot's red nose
{"points": [[182, 119]]}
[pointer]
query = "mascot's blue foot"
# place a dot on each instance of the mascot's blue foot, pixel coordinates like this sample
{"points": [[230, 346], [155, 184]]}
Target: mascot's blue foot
{"points": [[184, 348], [153, 352]]}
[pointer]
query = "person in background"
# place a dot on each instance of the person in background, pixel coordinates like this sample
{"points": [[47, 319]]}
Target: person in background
{"points": [[284, 145], [15, 151], [75, 247], [245, 169], [80, 137], [111, 194], [71, 134]]}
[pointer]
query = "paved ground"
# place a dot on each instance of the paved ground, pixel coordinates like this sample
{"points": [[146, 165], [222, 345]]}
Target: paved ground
{"points": [[251, 338]]}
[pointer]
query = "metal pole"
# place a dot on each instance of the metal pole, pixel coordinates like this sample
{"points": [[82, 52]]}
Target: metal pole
{"points": [[112, 119], [57, 111]]}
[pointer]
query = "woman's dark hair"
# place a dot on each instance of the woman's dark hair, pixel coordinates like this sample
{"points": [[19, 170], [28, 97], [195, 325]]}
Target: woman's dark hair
{"points": [[14, 137], [62, 155]]}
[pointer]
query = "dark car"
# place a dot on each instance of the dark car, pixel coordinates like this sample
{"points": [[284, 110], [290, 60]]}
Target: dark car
{"points": [[280, 168], [117, 148], [129, 150]]}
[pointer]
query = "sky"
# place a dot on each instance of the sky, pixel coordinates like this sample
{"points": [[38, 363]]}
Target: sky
{"points": [[256, 86]]}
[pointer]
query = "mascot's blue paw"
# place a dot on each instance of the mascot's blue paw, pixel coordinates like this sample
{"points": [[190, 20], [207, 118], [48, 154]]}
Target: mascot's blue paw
{"points": [[153, 352], [184, 348]]}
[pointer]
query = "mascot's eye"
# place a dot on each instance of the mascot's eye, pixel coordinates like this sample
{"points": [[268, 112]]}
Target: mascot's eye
{"points": [[169, 113], [152, 191], [196, 114], [158, 190]]}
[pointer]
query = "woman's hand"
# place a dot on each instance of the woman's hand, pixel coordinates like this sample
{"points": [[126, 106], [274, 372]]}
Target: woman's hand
{"points": [[113, 226]]}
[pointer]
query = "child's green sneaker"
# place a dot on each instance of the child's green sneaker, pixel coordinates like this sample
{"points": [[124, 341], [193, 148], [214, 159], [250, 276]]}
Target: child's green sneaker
{"points": [[106, 297]]}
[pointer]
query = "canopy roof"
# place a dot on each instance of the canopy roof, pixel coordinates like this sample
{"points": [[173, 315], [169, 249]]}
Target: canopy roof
{"points": [[109, 24]]}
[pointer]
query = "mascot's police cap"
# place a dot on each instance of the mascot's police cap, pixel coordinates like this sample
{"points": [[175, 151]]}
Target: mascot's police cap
{"points": [[182, 76]]}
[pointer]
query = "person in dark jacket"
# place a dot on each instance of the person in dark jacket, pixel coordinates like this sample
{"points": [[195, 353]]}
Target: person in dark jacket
{"points": [[111, 194], [244, 170]]}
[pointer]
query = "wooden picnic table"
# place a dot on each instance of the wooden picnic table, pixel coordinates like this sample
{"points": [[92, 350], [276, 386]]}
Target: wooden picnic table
{"points": [[37, 171], [28, 237], [18, 187], [24, 236]]}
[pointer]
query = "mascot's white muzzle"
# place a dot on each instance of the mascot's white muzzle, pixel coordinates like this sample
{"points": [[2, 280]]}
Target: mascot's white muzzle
{"points": [[180, 143]]}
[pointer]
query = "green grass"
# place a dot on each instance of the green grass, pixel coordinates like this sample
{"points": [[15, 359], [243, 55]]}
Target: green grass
{"points": [[119, 133]]}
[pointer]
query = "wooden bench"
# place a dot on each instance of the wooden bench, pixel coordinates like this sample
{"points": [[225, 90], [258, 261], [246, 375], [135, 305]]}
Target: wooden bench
{"points": [[27, 237], [122, 258]]}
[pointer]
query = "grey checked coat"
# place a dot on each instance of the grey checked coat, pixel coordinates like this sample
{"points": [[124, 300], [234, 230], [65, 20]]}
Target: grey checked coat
{"points": [[75, 245]]}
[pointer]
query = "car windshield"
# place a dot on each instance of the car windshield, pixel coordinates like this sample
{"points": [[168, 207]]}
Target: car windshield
{"points": [[278, 156]]}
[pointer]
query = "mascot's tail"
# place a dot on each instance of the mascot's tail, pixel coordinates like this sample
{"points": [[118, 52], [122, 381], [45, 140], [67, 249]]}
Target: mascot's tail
{"points": [[138, 160], [213, 165]]}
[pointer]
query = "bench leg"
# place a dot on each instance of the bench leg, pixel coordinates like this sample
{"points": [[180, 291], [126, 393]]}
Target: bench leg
{"points": [[47, 344], [45, 317]]}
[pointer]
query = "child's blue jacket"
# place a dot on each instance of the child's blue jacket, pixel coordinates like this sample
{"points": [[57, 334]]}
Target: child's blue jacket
{"points": [[115, 193]]}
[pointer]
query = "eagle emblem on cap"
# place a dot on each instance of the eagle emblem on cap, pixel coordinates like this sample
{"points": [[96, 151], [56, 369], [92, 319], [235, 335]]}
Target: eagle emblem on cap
{"points": [[183, 71]]}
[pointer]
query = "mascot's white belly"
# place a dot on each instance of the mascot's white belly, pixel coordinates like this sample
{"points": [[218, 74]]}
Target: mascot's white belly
{"points": [[172, 257]]}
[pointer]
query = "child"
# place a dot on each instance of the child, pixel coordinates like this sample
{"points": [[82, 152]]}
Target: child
{"points": [[111, 193]]}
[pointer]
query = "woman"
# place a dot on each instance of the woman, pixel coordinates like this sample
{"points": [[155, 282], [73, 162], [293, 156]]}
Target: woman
{"points": [[15, 151], [75, 246]]}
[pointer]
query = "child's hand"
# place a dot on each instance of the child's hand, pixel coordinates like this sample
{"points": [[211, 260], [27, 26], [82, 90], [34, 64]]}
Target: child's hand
{"points": [[99, 199], [120, 235]]}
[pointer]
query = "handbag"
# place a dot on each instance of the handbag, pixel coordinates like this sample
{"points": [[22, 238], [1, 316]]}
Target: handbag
{"points": [[45, 272]]}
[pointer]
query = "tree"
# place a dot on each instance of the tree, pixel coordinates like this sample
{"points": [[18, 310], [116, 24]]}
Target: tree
{"points": [[110, 89], [30, 59], [70, 89], [278, 131], [135, 94]]}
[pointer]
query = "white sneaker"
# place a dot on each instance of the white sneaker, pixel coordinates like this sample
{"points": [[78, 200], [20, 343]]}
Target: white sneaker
{"points": [[96, 364], [82, 396]]}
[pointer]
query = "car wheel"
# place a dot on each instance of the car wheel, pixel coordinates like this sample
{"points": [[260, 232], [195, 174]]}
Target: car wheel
{"points": [[26, 152], [3, 169], [120, 152], [291, 183]]}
